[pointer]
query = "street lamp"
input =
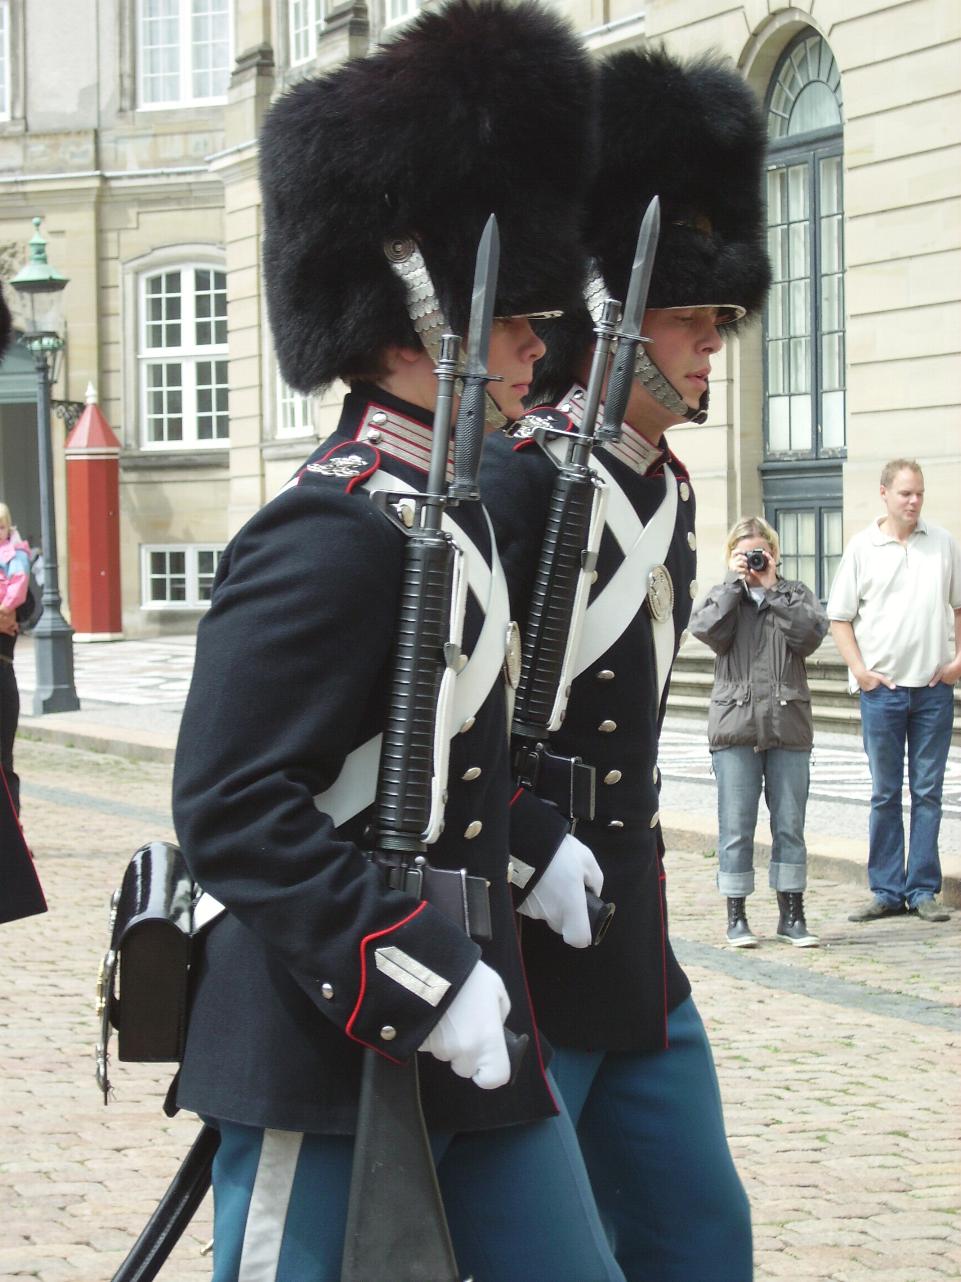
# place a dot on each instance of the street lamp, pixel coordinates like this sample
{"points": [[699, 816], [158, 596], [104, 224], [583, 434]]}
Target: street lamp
{"points": [[41, 286]]}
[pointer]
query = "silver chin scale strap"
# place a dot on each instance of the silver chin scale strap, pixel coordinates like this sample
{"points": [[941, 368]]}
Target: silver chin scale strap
{"points": [[424, 309], [645, 371]]}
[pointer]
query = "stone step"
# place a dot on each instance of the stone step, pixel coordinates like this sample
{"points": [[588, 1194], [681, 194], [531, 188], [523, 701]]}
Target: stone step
{"points": [[834, 709]]}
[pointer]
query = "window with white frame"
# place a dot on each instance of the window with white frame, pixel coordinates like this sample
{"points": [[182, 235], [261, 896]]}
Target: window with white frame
{"points": [[4, 59], [396, 11], [183, 358], [183, 51], [293, 411], [178, 576], [306, 17]]}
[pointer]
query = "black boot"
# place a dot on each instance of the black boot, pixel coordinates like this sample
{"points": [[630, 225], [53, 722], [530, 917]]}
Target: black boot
{"points": [[791, 926], [738, 931]]}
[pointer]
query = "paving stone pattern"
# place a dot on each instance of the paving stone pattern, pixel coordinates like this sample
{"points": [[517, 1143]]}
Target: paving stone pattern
{"points": [[838, 1066]]}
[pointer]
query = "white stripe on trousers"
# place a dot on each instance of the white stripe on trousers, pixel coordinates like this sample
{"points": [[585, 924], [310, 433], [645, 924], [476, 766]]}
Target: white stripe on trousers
{"points": [[269, 1202]]}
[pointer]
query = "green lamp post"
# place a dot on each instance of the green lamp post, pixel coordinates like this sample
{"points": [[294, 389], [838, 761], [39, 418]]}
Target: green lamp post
{"points": [[42, 286]]}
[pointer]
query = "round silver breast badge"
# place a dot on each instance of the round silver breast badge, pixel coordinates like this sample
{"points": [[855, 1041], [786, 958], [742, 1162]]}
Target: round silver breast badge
{"points": [[660, 593], [512, 655]]}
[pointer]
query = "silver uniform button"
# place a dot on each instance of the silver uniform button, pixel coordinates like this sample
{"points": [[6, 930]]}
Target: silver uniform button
{"points": [[613, 776], [565, 408], [388, 1033], [468, 725], [471, 773], [379, 418], [607, 726], [655, 819], [605, 674], [472, 829], [693, 588], [373, 434], [684, 490], [615, 823], [327, 991], [691, 540]]}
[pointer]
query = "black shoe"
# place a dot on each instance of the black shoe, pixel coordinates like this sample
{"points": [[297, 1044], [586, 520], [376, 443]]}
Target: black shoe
{"points": [[875, 909], [791, 926], [738, 931], [928, 909]]}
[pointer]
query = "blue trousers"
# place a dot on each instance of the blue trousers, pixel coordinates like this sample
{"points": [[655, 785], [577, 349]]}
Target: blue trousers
{"points": [[652, 1133], [518, 1202], [919, 717], [785, 774]]}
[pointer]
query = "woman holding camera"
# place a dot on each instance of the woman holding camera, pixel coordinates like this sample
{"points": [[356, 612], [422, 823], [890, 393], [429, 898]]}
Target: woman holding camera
{"points": [[761, 628]]}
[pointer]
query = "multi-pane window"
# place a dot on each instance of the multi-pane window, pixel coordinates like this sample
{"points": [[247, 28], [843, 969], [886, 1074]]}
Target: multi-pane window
{"points": [[399, 11], [804, 318], [804, 352], [293, 411], [183, 357], [4, 60], [812, 541], [180, 576], [306, 17], [184, 51]]}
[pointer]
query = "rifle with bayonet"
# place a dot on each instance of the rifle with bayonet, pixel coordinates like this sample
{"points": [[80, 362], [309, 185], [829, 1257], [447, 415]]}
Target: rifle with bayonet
{"points": [[396, 1226], [568, 557]]}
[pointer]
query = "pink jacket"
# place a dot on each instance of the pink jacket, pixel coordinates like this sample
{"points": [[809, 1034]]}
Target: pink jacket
{"points": [[14, 571]]}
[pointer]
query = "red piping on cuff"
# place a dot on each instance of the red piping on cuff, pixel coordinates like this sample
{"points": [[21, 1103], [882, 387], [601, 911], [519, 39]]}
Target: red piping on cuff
{"points": [[363, 973]]}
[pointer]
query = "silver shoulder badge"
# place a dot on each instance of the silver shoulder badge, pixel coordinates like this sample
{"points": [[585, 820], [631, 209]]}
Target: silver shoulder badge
{"points": [[512, 655], [339, 465], [660, 593]]}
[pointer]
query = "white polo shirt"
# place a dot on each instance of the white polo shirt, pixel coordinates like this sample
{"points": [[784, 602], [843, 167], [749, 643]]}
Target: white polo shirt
{"points": [[900, 599]]}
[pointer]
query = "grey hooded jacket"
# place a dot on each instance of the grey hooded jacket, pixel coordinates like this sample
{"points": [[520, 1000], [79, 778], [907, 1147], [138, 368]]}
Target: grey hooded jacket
{"points": [[761, 697]]}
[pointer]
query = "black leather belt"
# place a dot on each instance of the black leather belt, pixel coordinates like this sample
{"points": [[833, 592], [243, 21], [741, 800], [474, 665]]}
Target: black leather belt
{"points": [[459, 896], [568, 782]]}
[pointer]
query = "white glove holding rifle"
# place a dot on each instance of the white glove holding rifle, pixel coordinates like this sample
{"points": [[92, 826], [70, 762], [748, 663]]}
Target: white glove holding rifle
{"points": [[560, 899], [470, 1034]]}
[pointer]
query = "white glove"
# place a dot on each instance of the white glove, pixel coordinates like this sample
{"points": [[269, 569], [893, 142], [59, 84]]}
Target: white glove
{"points": [[560, 898], [470, 1033]]}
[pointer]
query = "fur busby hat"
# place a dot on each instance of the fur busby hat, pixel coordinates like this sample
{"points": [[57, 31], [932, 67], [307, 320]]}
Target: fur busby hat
{"points": [[692, 134], [483, 106]]}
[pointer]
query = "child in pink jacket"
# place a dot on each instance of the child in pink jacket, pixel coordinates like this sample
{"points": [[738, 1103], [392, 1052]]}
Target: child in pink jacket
{"points": [[14, 583]]}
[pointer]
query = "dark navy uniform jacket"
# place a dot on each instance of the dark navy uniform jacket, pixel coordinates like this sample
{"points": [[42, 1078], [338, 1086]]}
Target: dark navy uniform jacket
{"points": [[292, 670], [615, 996]]}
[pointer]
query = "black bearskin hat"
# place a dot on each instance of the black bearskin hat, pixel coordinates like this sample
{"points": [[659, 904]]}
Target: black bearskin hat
{"points": [[692, 134], [483, 106]]}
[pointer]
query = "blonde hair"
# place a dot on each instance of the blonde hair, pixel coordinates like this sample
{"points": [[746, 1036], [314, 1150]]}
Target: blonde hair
{"points": [[5, 515], [753, 527], [896, 465]]}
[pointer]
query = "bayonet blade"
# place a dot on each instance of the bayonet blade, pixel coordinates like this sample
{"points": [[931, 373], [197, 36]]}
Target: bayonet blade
{"points": [[641, 271], [482, 300], [469, 430]]}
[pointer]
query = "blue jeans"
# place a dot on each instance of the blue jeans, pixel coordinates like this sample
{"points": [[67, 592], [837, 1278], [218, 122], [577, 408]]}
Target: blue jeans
{"points": [[518, 1201], [921, 717], [785, 774], [652, 1132]]}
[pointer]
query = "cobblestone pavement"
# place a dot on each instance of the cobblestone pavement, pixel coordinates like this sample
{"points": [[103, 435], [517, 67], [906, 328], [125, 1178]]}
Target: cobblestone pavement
{"points": [[838, 1066]]}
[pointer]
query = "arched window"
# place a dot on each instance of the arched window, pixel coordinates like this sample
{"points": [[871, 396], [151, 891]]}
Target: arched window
{"points": [[804, 358]]}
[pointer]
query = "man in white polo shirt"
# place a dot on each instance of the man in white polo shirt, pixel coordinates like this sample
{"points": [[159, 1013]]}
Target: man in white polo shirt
{"points": [[895, 611]]}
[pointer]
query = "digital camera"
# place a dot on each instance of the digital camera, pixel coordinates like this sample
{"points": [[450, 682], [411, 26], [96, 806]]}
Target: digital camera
{"points": [[756, 560]]}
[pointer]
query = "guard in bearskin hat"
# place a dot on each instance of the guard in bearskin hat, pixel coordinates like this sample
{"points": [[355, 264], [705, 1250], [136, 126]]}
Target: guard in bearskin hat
{"points": [[378, 180], [632, 1058]]}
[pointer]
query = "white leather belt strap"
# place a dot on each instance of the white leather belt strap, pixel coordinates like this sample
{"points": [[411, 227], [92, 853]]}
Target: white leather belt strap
{"points": [[644, 546], [612, 610]]}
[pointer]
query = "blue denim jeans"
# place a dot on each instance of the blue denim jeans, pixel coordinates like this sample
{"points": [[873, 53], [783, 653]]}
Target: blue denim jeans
{"points": [[785, 775], [919, 717]]}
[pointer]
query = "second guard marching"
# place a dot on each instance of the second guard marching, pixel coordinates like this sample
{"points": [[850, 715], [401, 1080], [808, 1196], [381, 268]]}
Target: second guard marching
{"points": [[632, 1057]]}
